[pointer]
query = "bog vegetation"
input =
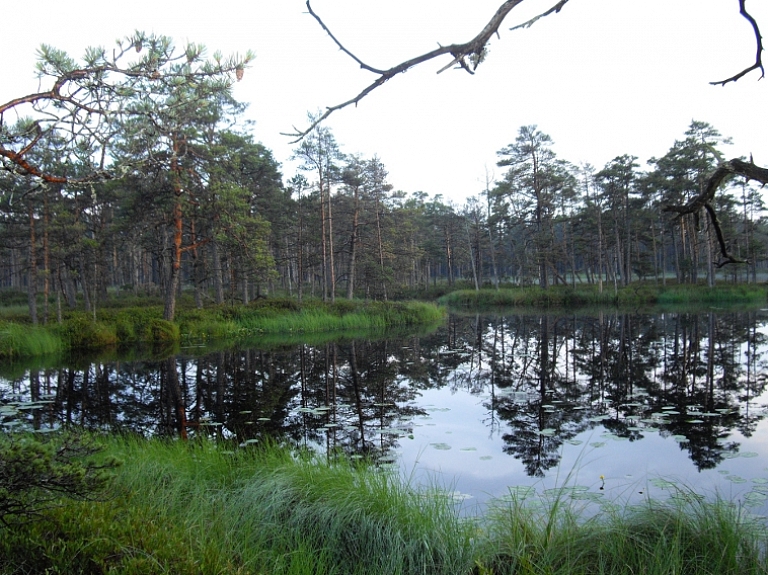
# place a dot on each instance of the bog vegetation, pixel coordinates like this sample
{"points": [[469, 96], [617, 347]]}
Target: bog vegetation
{"points": [[210, 507]]}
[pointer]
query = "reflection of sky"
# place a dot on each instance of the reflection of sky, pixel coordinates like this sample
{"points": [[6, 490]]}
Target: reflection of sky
{"points": [[476, 464]]}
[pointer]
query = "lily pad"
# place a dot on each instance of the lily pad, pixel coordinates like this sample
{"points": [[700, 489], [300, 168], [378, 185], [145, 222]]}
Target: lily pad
{"points": [[662, 483], [441, 446], [735, 479]]}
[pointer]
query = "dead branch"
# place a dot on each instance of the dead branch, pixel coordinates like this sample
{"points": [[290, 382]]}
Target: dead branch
{"points": [[473, 50], [758, 65], [724, 171]]}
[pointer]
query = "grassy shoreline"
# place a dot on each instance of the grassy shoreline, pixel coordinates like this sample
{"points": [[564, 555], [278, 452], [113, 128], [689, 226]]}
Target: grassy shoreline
{"points": [[208, 507], [115, 325], [586, 295], [133, 325]]}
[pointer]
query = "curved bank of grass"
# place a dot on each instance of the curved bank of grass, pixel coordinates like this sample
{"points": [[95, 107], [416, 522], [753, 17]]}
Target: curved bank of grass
{"points": [[204, 507], [116, 326], [589, 295]]}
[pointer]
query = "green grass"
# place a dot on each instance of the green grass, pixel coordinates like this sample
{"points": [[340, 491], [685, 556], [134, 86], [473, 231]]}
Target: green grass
{"points": [[119, 326], [19, 340], [585, 295], [207, 507]]}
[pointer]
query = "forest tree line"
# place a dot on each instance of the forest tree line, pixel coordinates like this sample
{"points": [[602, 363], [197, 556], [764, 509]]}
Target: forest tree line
{"points": [[200, 205]]}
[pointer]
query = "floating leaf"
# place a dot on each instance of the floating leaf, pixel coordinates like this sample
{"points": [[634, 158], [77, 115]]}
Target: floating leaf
{"points": [[735, 479], [574, 441], [749, 454], [468, 449], [441, 446], [695, 421], [662, 483], [547, 432], [520, 492], [598, 444], [485, 457], [755, 498]]}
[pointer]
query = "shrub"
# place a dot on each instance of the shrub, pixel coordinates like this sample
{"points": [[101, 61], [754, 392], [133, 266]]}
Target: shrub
{"points": [[79, 331], [37, 470]]}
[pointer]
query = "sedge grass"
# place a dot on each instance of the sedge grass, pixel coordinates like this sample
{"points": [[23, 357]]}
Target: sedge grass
{"points": [[206, 507], [17, 340], [120, 326], [586, 295]]}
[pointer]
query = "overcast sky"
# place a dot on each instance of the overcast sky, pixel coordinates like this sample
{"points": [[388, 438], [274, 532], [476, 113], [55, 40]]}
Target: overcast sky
{"points": [[602, 77]]}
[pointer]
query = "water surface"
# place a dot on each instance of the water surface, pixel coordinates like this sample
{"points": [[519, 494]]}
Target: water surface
{"points": [[617, 405]]}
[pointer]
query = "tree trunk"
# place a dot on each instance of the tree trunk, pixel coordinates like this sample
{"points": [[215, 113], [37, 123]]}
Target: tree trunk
{"points": [[332, 269], [353, 248], [32, 268]]}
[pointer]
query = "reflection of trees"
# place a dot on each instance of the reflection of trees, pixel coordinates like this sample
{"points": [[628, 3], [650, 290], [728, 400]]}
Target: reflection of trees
{"points": [[543, 378], [623, 367]]}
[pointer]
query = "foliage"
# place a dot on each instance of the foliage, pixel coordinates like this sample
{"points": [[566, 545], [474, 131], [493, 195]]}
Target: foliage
{"points": [[37, 470], [80, 331]]}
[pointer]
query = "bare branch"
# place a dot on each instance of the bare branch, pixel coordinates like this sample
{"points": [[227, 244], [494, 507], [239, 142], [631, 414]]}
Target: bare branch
{"points": [[556, 8], [724, 171], [758, 65], [474, 50], [475, 47]]}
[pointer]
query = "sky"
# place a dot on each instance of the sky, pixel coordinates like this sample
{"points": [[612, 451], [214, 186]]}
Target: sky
{"points": [[602, 77]]}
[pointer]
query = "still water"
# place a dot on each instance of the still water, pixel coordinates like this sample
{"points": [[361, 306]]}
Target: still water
{"points": [[617, 406]]}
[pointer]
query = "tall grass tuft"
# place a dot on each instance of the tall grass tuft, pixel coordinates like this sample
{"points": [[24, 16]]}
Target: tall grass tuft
{"points": [[684, 535], [206, 506], [18, 340], [272, 510]]}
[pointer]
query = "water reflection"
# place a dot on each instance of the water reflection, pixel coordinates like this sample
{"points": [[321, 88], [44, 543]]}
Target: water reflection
{"points": [[542, 381]]}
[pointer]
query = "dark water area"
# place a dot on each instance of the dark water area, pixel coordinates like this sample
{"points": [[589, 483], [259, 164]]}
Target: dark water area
{"points": [[623, 405]]}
